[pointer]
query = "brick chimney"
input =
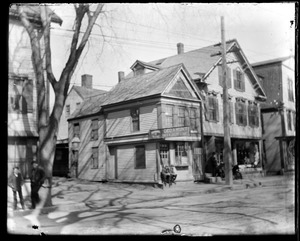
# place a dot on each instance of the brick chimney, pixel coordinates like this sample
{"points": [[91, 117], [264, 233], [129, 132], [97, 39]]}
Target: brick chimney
{"points": [[87, 81], [121, 76], [180, 48]]}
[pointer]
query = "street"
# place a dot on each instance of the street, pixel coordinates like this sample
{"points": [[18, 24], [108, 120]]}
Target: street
{"points": [[260, 210]]}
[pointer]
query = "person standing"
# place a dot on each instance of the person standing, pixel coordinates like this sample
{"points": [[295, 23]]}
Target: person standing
{"points": [[37, 179], [16, 182]]}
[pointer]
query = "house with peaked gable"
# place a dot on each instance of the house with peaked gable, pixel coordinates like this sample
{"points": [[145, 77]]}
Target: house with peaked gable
{"points": [[245, 96], [278, 113], [22, 116], [146, 121], [73, 101]]}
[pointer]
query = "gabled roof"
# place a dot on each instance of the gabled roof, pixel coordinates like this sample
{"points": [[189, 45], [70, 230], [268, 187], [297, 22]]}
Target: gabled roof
{"points": [[86, 92], [200, 62], [146, 65], [272, 61], [33, 12], [141, 86]]}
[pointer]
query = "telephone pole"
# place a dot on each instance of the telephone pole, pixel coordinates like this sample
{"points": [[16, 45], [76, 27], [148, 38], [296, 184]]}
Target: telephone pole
{"points": [[227, 158]]}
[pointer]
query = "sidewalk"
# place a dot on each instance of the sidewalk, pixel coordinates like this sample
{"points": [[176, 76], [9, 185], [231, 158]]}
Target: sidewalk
{"points": [[74, 195]]}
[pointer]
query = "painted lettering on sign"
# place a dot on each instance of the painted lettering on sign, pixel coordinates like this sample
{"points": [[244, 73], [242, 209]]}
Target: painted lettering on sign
{"points": [[169, 132]]}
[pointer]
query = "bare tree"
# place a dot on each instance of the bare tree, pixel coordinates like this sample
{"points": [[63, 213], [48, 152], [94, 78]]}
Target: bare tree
{"points": [[48, 124]]}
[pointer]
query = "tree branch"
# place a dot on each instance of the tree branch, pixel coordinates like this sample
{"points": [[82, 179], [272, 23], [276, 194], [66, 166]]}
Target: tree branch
{"points": [[46, 20]]}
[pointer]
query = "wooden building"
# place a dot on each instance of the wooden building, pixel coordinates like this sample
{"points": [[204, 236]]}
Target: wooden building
{"points": [[245, 95], [278, 113], [146, 121], [73, 101], [22, 93]]}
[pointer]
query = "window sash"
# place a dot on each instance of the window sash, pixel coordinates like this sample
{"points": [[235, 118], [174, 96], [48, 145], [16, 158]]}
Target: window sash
{"points": [[135, 119], [193, 119], [213, 108], [289, 120], [76, 129], [169, 116], [95, 161], [181, 116], [241, 113]]}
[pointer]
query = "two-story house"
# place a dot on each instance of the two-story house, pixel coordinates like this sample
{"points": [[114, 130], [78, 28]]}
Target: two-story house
{"points": [[278, 112], [22, 91], [245, 94], [146, 121], [74, 99]]}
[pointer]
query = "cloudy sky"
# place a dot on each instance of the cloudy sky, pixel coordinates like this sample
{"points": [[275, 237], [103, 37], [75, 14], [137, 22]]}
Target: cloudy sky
{"points": [[127, 32]]}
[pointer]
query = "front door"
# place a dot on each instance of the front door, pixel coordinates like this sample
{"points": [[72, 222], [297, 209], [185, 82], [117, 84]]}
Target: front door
{"points": [[164, 153]]}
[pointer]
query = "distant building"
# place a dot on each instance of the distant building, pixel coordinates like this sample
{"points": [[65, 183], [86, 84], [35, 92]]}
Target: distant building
{"points": [[22, 114], [278, 112], [73, 101]]}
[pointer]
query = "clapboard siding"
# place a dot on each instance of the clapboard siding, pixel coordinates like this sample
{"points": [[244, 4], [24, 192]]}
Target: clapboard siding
{"points": [[85, 170], [126, 158], [119, 122]]}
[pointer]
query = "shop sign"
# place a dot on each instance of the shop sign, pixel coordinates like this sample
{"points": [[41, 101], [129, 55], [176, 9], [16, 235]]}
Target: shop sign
{"points": [[169, 132]]}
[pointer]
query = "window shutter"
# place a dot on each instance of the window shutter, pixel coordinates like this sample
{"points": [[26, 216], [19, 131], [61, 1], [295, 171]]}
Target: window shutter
{"points": [[234, 78], [206, 108], [243, 81], [216, 108], [186, 117], [228, 77], [237, 119], [244, 114], [231, 111], [175, 115], [27, 100], [220, 76]]}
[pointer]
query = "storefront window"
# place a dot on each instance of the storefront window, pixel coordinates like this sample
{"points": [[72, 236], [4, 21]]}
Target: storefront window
{"points": [[180, 154], [164, 153]]}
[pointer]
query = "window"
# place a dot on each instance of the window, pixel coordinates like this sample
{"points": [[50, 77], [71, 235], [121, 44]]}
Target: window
{"points": [[231, 114], [193, 119], [164, 153], [228, 76], [253, 114], [67, 110], [94, 158], [294, 119], [94, 132], [76, 130], [289, 119], [239, 80], [20, 95], [140, 157], [135, 119], [180, 154], [169, 115], [212, 109], [290, 90], [181, 116], [241, 113], [78, 104]]}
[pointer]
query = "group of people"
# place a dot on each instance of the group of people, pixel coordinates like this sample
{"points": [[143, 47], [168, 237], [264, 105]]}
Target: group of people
{"points": [[16, 182]]}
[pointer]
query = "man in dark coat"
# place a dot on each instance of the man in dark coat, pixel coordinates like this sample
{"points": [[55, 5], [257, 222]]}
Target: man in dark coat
{"points": [[37, 179], [15, 182]]}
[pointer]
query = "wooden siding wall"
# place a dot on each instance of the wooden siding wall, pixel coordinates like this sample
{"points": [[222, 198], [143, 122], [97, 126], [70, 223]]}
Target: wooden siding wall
{"points": [[126, 162], [216, 128], [20, 64], [71, 100], [119, 122], [85, 170], [272, 129]]}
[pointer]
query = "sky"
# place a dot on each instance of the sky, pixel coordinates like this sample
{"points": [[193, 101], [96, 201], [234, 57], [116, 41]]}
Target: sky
{"points": [[126, 32]]}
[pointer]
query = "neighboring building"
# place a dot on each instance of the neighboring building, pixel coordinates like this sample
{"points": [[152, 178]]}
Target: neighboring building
{"points": [[245, 94], [22, 91], [278, 113], [144, 122], [73, 101]]}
